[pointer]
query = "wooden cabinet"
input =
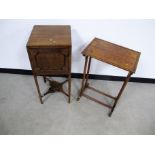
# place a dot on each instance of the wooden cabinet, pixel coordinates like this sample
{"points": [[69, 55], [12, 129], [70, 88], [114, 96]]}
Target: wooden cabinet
{"points": [[49, 50]]}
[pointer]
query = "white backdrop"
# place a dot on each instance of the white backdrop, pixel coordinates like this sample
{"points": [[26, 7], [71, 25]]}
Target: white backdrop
{"points": [[135, 34]]}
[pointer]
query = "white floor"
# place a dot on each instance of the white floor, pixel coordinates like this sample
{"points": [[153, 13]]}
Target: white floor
{"points": [[22, 113]]}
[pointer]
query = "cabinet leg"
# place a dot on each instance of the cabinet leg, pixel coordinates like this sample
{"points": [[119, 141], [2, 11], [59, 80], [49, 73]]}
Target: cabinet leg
{"points": [[69, 88], [44, 78], [38, 89]]}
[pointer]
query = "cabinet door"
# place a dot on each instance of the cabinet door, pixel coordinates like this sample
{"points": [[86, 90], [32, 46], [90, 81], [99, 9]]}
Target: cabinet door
{"points": [[50, 61]]}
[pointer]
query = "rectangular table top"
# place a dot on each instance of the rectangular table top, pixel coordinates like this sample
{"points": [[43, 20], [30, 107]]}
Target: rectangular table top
{"points": [[50, 36], [113, 54]]}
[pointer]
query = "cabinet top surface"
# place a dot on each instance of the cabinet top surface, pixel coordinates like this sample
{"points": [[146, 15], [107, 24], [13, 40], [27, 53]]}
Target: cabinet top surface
{"points": [[113, 54], [50, 36]]}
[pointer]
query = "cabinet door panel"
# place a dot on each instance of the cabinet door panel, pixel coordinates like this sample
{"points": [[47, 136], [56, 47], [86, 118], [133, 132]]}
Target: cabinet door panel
{"points": [[50, 61]]}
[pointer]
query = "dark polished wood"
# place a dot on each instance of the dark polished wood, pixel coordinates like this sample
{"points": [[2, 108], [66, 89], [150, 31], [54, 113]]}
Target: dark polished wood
{"points": [[112, 54], [49, 49]]}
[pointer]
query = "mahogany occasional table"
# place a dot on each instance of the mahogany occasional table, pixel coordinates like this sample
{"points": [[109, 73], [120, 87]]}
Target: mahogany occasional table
{"points": [[49, 50], [113, 54]]}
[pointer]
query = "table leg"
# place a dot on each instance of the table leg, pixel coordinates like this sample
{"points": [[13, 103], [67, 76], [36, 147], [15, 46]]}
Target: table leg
{"points": [[120, 92], [87, 74], [84, 78], [38, 89]]}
